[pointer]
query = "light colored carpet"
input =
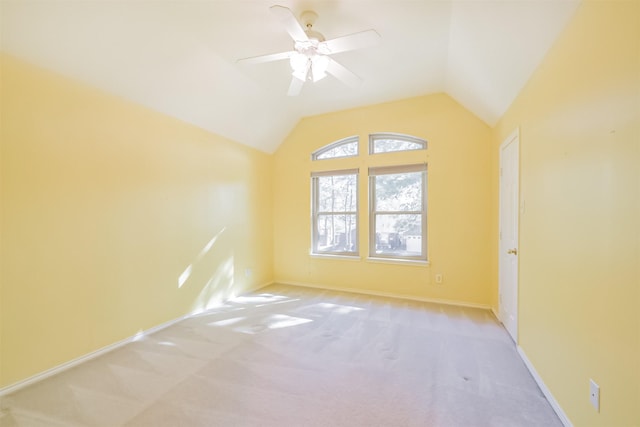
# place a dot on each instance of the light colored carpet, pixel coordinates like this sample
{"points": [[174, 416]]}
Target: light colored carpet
{"points": [[288, 356]]}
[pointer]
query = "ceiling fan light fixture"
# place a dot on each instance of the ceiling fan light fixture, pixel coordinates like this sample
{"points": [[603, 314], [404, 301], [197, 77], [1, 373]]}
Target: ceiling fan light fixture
{"points": [[299, 65], [298, 61], [300, 75], [319, 64]]}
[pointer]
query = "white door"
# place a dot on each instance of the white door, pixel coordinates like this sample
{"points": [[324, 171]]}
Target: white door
{"points": [[508, 246]]}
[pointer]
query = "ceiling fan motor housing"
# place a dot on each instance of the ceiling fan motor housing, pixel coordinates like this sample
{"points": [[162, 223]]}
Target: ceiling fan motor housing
{"points": [[308, 18]]}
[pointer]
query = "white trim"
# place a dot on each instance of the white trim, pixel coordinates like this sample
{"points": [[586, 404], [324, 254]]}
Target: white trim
{"points": [[330, 255], [258, 287], [397, 169], [386, 294], [11, 388], [399, 261], [335, 172], [547, 393]]}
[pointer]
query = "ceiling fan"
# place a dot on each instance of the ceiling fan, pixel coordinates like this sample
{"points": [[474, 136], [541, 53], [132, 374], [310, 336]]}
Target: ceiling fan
{"points": [[309, 59]]}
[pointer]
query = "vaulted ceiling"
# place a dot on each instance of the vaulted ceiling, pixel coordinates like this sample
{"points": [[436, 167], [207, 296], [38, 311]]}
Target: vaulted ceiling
{"points": [[179, 57]]}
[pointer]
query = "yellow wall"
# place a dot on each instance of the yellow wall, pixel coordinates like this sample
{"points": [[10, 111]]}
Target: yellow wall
{"points": [[104, 205], [459, 201], [579, 119]]}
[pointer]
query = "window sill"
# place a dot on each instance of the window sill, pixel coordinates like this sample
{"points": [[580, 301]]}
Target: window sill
{"points": [[411, 262], [332, 256], [374, 260]]}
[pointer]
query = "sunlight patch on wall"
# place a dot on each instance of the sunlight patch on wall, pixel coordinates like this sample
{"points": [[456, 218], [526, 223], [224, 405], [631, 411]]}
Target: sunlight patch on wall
{"points": [[187, 271], [216, 290], [184, 276]]}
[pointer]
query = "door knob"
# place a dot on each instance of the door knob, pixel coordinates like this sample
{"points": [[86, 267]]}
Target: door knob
{"points": [[513, 251]]}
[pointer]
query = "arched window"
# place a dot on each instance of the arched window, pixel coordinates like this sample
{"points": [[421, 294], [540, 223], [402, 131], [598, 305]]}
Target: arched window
{"points": [[389, 142], [347, 147]]}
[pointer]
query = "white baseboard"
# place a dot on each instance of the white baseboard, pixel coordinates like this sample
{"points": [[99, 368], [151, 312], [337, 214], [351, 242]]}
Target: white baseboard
{"points": [[85, 358], [258, 287], [547, 393], [387, 294], [89, 356]]}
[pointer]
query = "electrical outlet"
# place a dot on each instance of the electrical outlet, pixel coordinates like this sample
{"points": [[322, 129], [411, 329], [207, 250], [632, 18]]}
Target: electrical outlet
{"points": [[248, 272], [594, 394], [439, 278]]}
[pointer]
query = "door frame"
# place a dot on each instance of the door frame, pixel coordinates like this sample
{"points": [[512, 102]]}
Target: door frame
{"points": [[513, 138]]}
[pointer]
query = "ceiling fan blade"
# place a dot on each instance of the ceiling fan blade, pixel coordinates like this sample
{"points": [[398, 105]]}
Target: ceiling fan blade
{"points": [[290, 22], [353, 41], [295, 87], [267, 58], [338, 71]]}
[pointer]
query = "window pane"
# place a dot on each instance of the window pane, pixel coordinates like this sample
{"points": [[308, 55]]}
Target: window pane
{"points": [[399, 211], [343, 148], [337, 193], [387, 143], [335, 206], [398, 235], [399, 192], [336, 233]]}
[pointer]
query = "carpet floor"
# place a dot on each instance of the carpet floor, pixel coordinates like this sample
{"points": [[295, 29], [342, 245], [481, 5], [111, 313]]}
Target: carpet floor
{"points": [[289, 356]]}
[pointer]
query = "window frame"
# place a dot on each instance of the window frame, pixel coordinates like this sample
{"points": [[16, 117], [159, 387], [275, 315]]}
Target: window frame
{"points": [[315, 212], [397, 136], [344, 141], [373, 212]]}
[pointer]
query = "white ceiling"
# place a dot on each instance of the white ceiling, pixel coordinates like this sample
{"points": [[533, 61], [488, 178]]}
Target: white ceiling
{"points": [[179, 56]]}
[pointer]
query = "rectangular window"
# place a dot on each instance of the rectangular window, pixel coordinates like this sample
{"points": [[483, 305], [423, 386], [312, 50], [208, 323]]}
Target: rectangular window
{"points": [[398, 212], [335, 212]]}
